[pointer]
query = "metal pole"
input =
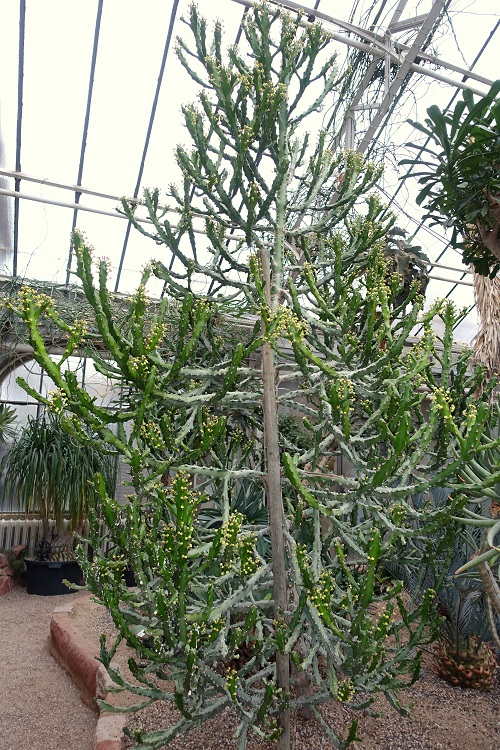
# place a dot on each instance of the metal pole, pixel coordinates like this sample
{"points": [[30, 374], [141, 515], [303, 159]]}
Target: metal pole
{"points": [[403, 71]]}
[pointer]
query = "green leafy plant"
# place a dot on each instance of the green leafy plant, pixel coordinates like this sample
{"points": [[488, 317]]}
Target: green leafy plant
{"points": [[462, 655], [480, 481], [7, 417], [49, 473], [460, 174], [322, 338]]}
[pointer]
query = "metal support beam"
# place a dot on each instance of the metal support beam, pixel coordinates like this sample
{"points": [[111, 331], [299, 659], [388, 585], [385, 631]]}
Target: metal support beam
{"points": [[371, 69], [379, 48], [407, 24], [398, 12], [350, 131], [403, 71], [64, 186]]}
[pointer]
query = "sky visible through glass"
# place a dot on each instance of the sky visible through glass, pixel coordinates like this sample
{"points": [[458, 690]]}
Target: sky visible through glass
{"points": [[59, 40]]}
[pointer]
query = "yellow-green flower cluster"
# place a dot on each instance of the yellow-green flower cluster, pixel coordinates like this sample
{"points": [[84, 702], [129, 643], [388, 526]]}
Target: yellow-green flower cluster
{"points": [[215, 227], [151, 433], [321, 593], [442, 402], [237, 435], [255, 265], [229, 533], [254, 191], [79, 329], [235, 543], [157, 333], [418, 350], [352, 338], [27, 297], [210, 423], [204, 631], [289, 325], [104, 261], [178, 540], [397, 513], [140, 365], [354, 160], [342, 394], [231, 684], [58, 401], [249, 563], [383, 623], [346, 690], [246, 133], [139, 296], [471, 414], [446, 306]]}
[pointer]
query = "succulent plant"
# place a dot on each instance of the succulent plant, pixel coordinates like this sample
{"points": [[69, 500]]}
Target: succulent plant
{"points": [[289, 249]]}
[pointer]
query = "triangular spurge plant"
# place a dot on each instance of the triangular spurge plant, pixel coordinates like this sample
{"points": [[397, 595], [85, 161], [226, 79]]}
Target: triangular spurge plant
{"points": [[300, 322]]}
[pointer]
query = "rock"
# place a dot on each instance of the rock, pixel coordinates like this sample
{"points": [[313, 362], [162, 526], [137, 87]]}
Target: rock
{"points": [[103, 682], [109, 731], [6, 582], [4, 560], [18, 550]]}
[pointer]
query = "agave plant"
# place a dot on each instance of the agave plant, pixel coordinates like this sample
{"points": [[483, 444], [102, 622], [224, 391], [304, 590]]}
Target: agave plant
{"points": [[49, 473], [248, 502]]}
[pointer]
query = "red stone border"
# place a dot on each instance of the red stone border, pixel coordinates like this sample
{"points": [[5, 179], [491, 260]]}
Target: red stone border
{"points": [[78, 657]]}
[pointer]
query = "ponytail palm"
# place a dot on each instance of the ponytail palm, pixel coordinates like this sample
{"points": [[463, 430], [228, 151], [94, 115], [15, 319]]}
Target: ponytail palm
{"points": [[49, 473]]}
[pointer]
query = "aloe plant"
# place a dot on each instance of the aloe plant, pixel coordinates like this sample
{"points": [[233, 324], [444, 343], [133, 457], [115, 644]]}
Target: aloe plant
{"points": [[303, 272], [459, 171]]}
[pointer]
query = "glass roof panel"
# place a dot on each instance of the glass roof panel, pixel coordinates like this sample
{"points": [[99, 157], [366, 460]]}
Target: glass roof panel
{"points": [[59, 42]]}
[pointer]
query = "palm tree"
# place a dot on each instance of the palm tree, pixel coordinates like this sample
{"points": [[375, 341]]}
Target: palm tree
{"points": [[49, 472], [487, 340]]}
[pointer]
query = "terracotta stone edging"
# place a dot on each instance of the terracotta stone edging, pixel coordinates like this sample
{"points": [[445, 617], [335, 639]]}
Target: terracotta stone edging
{"points": [[78, 657]]}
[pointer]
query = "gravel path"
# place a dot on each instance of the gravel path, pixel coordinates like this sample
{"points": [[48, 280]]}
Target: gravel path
{"points": [[40, 708]]}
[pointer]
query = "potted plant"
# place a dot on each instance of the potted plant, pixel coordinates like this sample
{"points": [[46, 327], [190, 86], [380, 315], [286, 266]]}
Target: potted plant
{"points": [[49, 473]]}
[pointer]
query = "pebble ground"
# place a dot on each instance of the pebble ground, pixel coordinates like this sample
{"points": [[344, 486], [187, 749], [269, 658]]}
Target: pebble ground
{"points": [[40, 708]]}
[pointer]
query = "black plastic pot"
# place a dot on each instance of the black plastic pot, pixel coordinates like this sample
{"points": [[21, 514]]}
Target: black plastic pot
{"points": [[45, 577], [128, 575]]}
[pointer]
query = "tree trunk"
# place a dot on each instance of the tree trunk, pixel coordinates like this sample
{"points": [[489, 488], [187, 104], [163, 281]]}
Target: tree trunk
{"points": [[487, 340], [275, 510]]}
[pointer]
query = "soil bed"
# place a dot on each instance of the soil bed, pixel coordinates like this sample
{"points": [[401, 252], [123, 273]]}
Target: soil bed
{"points": [[443, 717]]}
